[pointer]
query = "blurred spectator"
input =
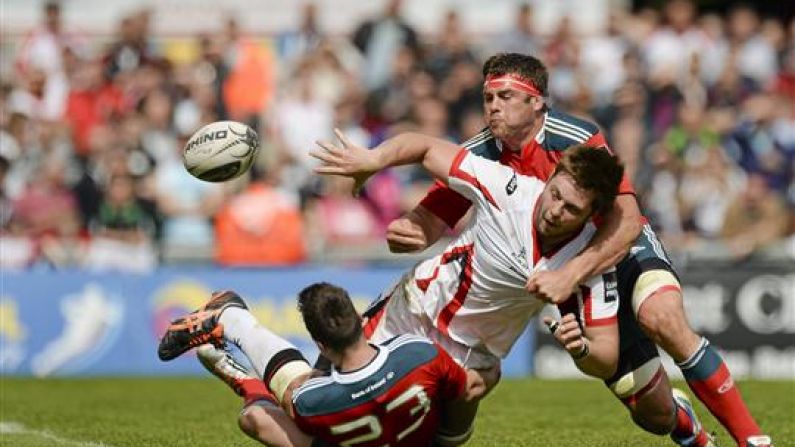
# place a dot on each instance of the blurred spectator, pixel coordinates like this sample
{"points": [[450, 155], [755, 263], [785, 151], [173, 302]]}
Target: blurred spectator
{"points": [[691, 135], [15, 143], [731, 88], [604, 54], [107, 157], [212, 70], [671, 48], [755, 219], [158, 138], [764, 142], [784, 84], [328, 77], [260, 226], [756, 57], [92, 102], [391, 102], [46, 213], [187, 204], [708, 186], [348, 222], [249, 86], [451, 48], [199, 97], [712, 60], [133, 48], [18, 251], [661, 203], [463, 93], [299, 119], [40, 62], [122, 231], [380, 40], [626, 124], [521, 38], [561, 54], [294, 44]]}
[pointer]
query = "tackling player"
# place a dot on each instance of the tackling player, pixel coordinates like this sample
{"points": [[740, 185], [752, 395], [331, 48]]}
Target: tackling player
{"points": [[390, 393], [524, 133]]}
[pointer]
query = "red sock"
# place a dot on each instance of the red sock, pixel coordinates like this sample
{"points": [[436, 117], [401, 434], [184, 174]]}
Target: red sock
{"points": [[252, 390], [711, 381], [685, 427]]}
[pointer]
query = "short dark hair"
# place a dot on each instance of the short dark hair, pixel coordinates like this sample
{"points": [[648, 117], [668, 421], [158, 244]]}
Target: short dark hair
{"points": [[594, 169], [523, 65], [329, 316]]}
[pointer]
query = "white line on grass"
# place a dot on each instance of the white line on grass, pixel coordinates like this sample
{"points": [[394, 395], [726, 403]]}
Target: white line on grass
{"points": [[17, 428]]}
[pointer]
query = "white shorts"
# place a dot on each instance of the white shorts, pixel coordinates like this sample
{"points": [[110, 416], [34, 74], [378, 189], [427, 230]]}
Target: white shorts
{"points": [[397, 312]]}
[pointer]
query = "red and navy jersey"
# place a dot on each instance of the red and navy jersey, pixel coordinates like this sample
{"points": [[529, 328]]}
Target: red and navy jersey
{"points": [[395, 400], [537, 159]]}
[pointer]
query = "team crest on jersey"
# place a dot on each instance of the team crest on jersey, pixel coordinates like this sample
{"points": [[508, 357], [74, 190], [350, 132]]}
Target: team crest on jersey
{"points": [[521, 256], [511, 186]]}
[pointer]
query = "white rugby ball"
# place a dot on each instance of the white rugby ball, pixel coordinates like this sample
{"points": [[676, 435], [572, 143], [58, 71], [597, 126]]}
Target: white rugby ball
{"points": [[220, 151]]}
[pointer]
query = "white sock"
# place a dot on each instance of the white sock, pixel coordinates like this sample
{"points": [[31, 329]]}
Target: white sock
{"points": [[257, 343]]}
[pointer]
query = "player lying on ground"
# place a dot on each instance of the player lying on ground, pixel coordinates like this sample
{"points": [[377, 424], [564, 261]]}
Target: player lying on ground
{"points": [[524, 133], [472, 299], [391, 393]]}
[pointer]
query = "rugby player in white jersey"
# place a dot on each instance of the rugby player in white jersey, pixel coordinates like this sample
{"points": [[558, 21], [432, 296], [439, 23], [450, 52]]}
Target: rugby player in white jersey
{"points": [[472, 298]]}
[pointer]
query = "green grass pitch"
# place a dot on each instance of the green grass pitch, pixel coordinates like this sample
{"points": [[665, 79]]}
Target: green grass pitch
{"points": [[197, 412]]}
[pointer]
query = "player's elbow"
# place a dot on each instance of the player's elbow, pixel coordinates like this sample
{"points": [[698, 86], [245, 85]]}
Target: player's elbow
{"points": [[626, 211], [634, 228]]}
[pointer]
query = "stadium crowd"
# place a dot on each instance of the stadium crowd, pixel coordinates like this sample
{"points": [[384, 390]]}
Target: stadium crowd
{"points": [[700, 107]]}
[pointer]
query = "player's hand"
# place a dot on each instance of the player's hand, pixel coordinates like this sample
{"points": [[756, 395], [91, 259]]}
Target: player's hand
{"points": [[405, 236], [568, 333], [348, 160], [552, 286]]}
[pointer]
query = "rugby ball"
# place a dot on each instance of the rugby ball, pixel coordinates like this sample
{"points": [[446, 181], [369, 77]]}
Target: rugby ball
{"points": [[220, 151]]}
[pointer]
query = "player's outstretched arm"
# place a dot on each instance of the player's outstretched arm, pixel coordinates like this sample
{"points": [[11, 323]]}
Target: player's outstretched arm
{"points": [[350, 160], [595, 352]]}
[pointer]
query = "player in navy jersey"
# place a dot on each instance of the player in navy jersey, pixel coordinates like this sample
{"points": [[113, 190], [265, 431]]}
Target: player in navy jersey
{"points": [[524, 133], [390, 393]]}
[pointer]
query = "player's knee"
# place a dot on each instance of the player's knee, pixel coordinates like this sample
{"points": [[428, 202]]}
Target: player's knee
{"points": [[247, 421], [658, 418], [252, 422], [655, 411], [661, 318]]}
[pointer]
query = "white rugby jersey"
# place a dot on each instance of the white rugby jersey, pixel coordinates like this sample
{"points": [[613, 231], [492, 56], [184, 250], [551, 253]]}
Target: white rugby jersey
{"points": [[475, 291]]}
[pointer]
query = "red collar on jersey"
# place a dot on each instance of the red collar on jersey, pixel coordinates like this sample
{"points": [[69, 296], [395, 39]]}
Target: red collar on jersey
{"points": [[514, 81]]}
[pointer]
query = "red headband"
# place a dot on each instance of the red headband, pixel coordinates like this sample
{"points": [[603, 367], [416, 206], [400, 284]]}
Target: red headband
{"points": [[513, 81]]}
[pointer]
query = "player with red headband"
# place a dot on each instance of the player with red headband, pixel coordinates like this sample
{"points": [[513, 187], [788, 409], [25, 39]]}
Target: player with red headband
{"points": [[524, 133]]}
